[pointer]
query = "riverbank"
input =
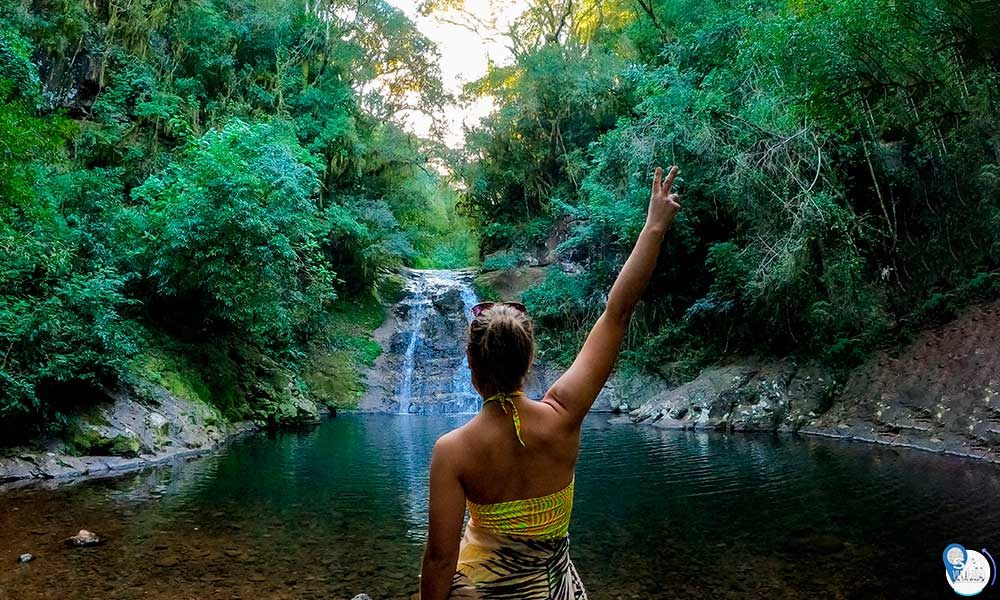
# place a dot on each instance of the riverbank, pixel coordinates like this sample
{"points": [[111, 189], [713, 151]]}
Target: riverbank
{"points": [[939, 393], [185, 401], [123, 434]]}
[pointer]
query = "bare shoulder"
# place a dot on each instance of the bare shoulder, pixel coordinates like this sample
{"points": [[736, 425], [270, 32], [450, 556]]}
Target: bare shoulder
{"points": [[552, 418], [556, 412], [448, 443], [450, 448]]}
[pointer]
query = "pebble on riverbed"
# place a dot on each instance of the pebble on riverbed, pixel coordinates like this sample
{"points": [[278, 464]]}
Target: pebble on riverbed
{"points": [[83, 539], [25, 558]]}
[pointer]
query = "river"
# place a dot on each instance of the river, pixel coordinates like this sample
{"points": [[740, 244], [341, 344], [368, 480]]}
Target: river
{"points": [[339, 509]]}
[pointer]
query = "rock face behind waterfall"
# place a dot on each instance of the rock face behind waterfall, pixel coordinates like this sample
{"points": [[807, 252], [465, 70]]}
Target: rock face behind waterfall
{"points": [[424, 368]]}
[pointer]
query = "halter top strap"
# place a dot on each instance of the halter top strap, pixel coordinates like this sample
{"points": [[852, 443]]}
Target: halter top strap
{"points": [[507, 398]]}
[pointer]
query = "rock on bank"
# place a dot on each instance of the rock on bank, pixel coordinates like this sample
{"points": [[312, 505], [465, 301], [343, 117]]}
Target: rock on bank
{"points": [[940, 392], [120, 434]]}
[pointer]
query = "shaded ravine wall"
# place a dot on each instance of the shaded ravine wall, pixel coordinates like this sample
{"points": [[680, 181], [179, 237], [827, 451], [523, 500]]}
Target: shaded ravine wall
{"points": [[940, 392]]}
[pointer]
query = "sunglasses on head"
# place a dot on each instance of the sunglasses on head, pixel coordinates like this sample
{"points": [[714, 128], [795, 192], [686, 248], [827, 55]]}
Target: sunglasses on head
{"points": [[479, 308]]}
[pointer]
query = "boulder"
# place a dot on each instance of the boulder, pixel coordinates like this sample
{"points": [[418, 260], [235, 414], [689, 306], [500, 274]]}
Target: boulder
{"points": [[705, 403], [14, 469], [167, 561], [738, 397]]}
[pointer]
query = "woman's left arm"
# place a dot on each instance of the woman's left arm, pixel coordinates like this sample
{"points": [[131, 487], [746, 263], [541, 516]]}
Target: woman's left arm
{"points": [[444, 529]]}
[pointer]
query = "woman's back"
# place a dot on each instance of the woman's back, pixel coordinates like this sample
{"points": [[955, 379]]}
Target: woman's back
{"points": [[494, 466]]}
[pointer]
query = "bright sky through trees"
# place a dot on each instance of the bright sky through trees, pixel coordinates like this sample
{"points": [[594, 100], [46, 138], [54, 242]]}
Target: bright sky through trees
{"points": [[465, 55]]}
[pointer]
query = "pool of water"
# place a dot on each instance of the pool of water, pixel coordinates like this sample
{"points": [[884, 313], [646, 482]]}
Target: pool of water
{"points": [[340, 509]]}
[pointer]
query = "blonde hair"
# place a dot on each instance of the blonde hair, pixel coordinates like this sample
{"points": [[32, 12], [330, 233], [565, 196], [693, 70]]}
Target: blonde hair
{"points": [[501, 347]]}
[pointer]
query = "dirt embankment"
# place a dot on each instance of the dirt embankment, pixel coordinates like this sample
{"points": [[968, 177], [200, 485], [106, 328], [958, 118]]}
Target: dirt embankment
{"points": [[940, 392], [122, 434]]}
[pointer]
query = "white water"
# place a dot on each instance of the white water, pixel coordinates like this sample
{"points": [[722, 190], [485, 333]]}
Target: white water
{"points": [[419, 305], [423, 286], [466, 395]]}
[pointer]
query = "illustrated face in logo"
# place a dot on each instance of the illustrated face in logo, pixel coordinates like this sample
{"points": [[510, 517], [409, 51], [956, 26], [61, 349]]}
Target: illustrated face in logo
{"points": [[954, 560]]}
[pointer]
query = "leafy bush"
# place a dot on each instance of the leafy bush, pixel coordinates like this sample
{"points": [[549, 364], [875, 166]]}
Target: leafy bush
{"points": [[561, 306], [502, 261], [204, 183], [234, 229]]}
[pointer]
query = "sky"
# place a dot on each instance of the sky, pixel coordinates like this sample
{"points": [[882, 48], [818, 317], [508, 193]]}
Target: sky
{"points": [[464, 58]]}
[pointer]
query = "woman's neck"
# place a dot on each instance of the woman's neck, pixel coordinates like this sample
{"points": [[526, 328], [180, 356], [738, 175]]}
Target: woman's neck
{"points": [[493, 392]]}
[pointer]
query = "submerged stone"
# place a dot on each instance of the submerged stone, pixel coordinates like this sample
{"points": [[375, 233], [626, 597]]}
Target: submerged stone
{"points": [[166, 561], [84, 539]]}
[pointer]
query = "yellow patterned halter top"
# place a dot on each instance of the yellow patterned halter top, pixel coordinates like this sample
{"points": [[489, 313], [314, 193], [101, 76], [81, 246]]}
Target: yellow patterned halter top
{"points": [[542, 518]]}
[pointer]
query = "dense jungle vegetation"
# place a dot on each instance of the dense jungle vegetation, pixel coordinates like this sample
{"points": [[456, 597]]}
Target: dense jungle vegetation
{"points": [[202, 194], [840, 168], [205, 193]]}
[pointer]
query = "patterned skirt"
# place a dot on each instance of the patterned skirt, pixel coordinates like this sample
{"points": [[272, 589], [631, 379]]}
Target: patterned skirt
{"points": [[493, 566]]}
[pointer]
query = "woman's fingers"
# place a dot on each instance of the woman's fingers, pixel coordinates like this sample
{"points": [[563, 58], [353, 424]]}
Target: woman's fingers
{"points": [[670, 179], [657, 181]]}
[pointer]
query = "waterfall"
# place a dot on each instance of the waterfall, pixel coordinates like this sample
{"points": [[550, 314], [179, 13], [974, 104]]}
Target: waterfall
{"points": [[466, 395], [417, 303], [434, 374]]}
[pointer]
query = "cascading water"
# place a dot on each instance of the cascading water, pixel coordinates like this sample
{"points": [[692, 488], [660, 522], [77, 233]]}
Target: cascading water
{"points": [[417, 303], [434, 372], [465, 395]]}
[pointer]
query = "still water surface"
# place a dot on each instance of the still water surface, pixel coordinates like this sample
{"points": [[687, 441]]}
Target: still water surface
{"points": [[339, 509]]}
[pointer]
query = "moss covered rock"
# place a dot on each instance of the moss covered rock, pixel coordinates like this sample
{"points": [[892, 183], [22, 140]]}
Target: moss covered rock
{"points": [[102, 440]]}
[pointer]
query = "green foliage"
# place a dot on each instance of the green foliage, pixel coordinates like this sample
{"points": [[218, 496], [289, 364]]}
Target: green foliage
{"points": [[834, 176], [334, 373], [18, 75], [552, 104], [502, 261], [234, 229], [61, 295], [484, 290], [443, 237], [561, 309], [203, 180]]}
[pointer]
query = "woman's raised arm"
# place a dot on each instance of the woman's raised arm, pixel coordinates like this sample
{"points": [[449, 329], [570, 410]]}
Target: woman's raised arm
{"points": [[574, 393]]}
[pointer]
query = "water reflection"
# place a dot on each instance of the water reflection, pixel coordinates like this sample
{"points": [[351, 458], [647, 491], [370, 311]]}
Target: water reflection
{"points": [[341, 508]]}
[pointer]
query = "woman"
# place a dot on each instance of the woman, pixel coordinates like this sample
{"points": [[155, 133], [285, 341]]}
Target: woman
{"points": [[517, 479]]}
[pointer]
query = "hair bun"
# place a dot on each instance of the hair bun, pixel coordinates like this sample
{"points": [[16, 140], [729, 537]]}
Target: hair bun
{"points": [[501, 347]]}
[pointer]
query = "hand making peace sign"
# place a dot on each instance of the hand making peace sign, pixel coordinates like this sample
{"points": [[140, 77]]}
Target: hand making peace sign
{"points": [[663, 205]]}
